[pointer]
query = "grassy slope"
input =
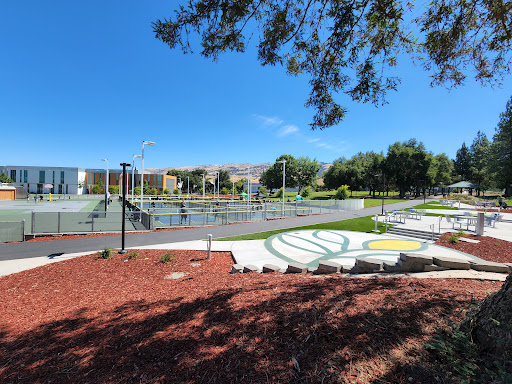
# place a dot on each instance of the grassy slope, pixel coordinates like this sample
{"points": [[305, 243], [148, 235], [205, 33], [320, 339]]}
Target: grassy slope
{"points": [[360, 224]]}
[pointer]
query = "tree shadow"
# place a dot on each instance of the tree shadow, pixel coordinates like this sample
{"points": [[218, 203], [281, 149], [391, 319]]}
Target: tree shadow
{"points": [[319, 330]]}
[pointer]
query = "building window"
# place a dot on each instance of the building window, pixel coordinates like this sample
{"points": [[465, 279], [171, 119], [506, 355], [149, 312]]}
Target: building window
{"points": [[41, 177], [67, 190], [62, 177], [25, 176], [53, 178], [60, 189], [13, 175], [40, 188]]}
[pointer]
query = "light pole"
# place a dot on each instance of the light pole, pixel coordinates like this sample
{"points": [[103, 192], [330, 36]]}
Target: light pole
{"points": [[106, 187], [218, 186], [249, 186], [202, 174], [150, 143], [123, 216], [133, 177], [216, 173], [284, 185]]}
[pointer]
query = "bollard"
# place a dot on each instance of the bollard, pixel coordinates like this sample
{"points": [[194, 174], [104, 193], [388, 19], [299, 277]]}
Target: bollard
{"points": [[209, 238], [376, 217]]}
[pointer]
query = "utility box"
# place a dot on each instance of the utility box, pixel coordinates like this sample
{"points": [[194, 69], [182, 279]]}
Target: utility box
{"points": [[480, 224]]}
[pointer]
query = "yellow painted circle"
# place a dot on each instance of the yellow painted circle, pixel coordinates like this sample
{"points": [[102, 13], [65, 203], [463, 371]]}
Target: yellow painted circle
{"points": [[402, 245]]}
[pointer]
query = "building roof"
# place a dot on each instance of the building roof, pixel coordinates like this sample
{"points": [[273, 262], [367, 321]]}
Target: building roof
{"points": [[465, 184]]}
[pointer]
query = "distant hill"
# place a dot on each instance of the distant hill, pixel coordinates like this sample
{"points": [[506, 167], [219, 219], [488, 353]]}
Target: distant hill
{"points": [[237, 171]]}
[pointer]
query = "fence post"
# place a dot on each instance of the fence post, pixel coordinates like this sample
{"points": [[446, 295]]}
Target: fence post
{"points": [[92, 223], [295, 208], [23, 230], [58, 222], [33, 224], [227, 215]]}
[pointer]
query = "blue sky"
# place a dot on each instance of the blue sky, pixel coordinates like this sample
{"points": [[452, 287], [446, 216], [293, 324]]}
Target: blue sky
{"points": [[81, 81]]}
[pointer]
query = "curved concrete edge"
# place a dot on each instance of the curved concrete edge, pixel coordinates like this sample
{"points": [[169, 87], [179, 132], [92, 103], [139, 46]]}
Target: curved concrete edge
{"points": [[9, 267]]}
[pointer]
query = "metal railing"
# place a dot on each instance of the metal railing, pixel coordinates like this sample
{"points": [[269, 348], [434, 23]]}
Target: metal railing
{"points": [[164, 215]]}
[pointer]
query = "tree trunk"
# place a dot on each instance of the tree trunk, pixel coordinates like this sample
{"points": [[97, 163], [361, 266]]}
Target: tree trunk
{"points": [[491, 323]]}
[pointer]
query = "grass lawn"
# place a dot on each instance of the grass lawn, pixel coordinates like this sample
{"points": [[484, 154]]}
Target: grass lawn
{"points": [[376, 202], [433, 205], [360, 224]]}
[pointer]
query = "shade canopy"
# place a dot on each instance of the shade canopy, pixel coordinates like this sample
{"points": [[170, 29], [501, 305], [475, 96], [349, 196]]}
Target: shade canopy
{"points": [[465, 184]]}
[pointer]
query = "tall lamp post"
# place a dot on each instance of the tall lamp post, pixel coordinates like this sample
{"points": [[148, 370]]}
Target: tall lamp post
{"points": [[249, 185], [106, 187], [133, 177], [150, 143], [123, 216], [202, 174], [284, 185]]}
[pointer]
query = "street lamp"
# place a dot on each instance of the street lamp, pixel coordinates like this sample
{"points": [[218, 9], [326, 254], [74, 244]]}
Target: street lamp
{"points": [[123, 216], [284, 185], [133, 167], [150, 143], [106, 187], [202, 174], [249, 185]]}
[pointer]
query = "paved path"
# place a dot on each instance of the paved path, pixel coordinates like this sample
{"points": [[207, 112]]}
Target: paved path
{"points": [[13, 251]]}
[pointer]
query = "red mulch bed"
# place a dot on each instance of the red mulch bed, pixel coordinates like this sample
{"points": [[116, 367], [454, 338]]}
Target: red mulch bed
{"points": [[488, 248], [122, 321]]}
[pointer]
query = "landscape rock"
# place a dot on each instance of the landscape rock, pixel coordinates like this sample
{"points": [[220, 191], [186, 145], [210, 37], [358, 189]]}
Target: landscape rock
{"points": [[451, 263], [267, 268], [326, 266], [416, 258], [237, 268], [297, 268], [489, 266], [250, 268], [369, 265]]}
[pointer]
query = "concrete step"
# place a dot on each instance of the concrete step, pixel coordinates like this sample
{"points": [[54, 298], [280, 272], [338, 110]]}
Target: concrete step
{"points": [[415, 233]]}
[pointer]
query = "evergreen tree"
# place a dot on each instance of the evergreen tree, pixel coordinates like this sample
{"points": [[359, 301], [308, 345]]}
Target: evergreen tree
{"points": [[462, 164], [501, 151]]}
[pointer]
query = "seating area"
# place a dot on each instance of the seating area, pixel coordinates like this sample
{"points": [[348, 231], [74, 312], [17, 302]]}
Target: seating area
{"points": [[448, 203]]}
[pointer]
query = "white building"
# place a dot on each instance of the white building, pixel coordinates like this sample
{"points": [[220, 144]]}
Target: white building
{"points": [[34, 179]]}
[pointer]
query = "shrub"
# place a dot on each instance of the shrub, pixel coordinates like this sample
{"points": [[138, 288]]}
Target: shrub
{"points": [[136, 191], [306, 192], [225, 191], [279, 193], [166, 191], [114, 189], [105, 254], [153, 191], [167, 257], [133, 255], [453, 238], [342, 193], [176, 191]]}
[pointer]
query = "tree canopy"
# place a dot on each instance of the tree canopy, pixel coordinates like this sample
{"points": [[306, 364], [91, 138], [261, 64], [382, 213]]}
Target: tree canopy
{"points": [[501, 151], [352, 47]]}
